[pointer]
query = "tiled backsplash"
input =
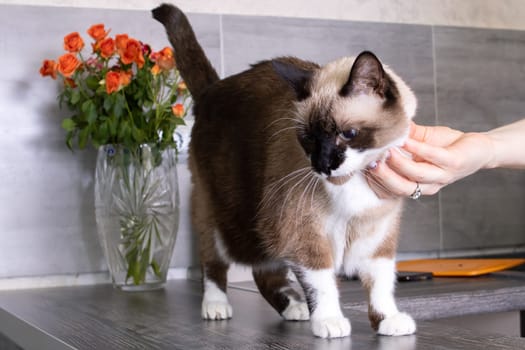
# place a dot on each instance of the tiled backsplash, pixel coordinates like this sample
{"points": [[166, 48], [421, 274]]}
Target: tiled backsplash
{"points": [[467, 78]]}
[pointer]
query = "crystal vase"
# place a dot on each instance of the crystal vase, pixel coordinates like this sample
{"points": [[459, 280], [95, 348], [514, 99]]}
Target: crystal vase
{"points": [[137, 213]]}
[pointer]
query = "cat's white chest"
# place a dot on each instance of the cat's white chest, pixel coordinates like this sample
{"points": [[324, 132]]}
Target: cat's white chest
{"points": [[347, 201], [351, 198]]}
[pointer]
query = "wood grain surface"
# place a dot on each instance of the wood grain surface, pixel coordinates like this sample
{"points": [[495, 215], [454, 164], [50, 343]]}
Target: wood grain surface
{"points": [[100, 317]]}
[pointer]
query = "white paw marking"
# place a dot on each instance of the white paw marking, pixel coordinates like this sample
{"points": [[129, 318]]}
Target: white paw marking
{"points": [[336, 327], [216, 310], [398, 324], [296, 311], [215, 305]]}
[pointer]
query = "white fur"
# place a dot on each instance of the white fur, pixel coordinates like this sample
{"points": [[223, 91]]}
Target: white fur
{"points": [[356, 256], [344, 206], [327, 319], [296, 311], [382, 271], [399, 324], [215, 305]]}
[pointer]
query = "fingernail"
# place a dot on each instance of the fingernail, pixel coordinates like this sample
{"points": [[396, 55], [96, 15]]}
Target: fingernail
{"points": [[372, 165]]}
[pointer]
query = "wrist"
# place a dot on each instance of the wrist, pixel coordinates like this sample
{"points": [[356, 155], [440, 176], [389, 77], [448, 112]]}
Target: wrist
{"points": [[492, 149]]}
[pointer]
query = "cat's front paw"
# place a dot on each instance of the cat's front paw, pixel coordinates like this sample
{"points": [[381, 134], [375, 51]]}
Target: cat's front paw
{"points": [[398, 324], [296, 311], [216, 310], [335, 327]]}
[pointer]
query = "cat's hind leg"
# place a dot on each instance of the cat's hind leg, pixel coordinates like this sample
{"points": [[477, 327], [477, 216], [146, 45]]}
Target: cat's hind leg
{"points": [[215, 304], [276, 288], [214, 262], [378, 277]]}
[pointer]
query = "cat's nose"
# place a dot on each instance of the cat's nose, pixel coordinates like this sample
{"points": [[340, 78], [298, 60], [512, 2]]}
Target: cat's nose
{"points": [[322, 165], [326, 156], [322, 170]]}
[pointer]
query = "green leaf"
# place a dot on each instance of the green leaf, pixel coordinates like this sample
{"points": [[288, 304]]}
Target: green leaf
{"points": [[138, 135], [108, 103], [75, 97], [113, 123], [102, 134], [85, 106], [68, 124], [124, 131], [83, 137], [119, 106], [92, 114], [92, 82]]}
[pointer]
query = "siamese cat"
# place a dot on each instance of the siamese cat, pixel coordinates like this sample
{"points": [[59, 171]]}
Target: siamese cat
{"points": [[278, 158]]}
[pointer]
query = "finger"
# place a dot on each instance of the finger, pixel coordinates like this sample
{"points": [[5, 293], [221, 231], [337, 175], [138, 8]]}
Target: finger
{"points": [[393, 184], [420, 171], [438, 156], [434, 135]]}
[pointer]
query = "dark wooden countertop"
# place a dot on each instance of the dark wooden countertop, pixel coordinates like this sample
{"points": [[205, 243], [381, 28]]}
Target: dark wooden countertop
{"points": [[100, 317], [443, 297]]}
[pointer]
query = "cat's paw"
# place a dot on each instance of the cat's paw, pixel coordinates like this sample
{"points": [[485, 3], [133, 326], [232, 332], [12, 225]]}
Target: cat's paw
{"points": [[216, 310], [296, 311], [335, 327], [398, 324]]}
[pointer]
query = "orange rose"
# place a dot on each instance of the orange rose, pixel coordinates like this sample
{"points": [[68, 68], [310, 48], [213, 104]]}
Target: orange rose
{"points": [[97, 31], [178, 110], [73, 42], [164, 58], [181, 87], [121, 40], [155, 69], [125, 78], [112, 81], [115, 80], [132, 52], [107, 47], [68, 64], [49, 68]]}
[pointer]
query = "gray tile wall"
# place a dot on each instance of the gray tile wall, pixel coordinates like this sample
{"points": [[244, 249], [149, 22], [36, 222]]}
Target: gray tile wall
{"points": [[466, 78], [480, 75]]}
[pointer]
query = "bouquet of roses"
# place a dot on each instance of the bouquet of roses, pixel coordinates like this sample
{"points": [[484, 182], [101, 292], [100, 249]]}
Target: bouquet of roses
{"points": [[123, 92]]}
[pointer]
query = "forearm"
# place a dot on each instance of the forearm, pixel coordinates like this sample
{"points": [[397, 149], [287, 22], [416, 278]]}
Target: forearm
{"points": [[508, 146]]}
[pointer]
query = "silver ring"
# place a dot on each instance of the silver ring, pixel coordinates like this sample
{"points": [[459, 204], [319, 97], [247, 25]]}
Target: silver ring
{"points": [[417, 192]]}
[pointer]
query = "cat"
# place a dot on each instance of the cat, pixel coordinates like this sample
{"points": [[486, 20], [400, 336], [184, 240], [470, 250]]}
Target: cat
{"points": [[278, 157]]}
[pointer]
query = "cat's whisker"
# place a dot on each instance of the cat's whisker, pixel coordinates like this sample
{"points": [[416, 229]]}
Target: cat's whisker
{"points": [[299, 121], [290, 192], [281, 131], [277, 185], [314, 189], [302, 199]]}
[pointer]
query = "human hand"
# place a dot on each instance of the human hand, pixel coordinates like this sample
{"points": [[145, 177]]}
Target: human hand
{"points": [[440, 156]]}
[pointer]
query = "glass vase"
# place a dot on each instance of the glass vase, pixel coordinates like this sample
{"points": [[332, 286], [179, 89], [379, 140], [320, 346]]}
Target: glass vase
{"points": [[137, 213]]}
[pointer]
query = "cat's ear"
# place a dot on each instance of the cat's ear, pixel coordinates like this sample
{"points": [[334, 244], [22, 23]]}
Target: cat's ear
{"points": [[296, 77], [366, 76]]}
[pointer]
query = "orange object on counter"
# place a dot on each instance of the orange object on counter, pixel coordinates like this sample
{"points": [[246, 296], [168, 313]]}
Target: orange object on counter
{"points": [[458, 267]]}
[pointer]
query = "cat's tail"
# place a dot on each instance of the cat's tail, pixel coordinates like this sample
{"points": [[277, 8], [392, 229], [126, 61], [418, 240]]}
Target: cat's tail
{"points": [[192, 63]]}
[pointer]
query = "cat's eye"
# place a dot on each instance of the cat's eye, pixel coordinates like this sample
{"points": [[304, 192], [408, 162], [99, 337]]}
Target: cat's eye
{"points": [[349, 134]]}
